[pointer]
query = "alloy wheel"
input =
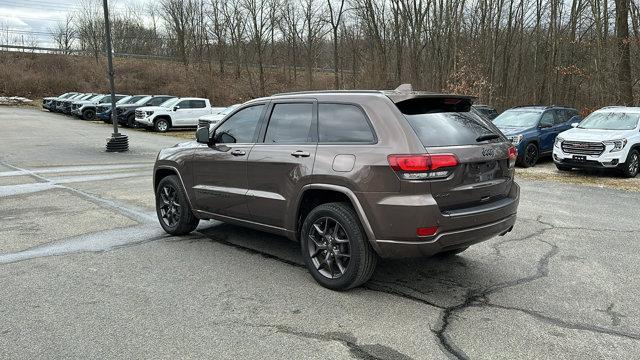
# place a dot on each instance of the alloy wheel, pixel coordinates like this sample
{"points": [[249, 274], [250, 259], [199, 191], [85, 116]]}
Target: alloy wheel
{"points": [[531, 155], [329, 248], [162, 125], [170, 206]]}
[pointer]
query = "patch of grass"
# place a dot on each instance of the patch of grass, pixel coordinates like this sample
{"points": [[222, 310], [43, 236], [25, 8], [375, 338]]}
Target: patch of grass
{"points": [[602, 180]]}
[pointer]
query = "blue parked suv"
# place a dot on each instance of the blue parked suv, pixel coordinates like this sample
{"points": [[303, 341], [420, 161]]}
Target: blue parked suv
{"points": [[533, 129]]}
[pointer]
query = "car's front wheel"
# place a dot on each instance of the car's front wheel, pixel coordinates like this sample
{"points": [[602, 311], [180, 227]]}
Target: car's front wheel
{"points": [[172, 207], [632, 165], [161, 125], [335, 247], [530, 156], [131, 121], [88, 114]]}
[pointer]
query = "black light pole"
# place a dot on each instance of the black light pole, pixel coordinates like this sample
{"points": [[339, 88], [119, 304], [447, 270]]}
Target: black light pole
{"points": [[117, 142]]}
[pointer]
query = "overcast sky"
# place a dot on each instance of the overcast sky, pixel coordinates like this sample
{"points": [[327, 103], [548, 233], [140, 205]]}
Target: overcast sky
{"points": [[36, 17]]}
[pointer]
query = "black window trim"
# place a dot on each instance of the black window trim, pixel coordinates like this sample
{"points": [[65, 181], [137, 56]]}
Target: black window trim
{"points": [[261, 120], [366, 117], [266, 118]]}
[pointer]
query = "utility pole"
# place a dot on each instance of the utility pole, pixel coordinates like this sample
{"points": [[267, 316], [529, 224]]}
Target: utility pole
{"points": [[117, 142]]}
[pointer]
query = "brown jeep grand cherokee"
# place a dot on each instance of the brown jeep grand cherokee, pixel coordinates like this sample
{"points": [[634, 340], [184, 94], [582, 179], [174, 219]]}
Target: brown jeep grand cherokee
{"points": [[352, 175]]}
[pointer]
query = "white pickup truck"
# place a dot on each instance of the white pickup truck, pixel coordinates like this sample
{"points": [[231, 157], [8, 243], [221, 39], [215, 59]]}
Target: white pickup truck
{"points": [[177, 112]]}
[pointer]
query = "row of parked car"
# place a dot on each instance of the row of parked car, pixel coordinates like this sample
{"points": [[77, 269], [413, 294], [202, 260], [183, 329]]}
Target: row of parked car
{"points": [[156, 112], [607, 139]]}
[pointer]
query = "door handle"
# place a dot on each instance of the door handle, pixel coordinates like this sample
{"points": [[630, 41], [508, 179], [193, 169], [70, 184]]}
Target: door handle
{"points": [[238, 152], [300, 153]]}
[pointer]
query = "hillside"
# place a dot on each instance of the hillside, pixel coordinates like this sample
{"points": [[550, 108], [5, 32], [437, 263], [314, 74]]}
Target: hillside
{"points": [[36, 75]]}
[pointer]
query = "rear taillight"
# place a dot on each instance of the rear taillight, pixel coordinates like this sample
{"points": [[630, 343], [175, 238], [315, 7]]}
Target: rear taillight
{"points": [[423, 166], [513, 155]]}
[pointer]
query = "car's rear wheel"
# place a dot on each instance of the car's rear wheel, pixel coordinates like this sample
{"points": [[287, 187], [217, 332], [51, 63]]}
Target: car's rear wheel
{"points": [[161, 125], [632, 165], [563, 167], [530, 156], [335, 248], [88, 114], [172, 207]]}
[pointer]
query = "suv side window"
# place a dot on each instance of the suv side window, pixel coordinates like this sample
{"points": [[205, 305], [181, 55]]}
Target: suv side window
{"points": [[156, 101], [197, 104], [343, 123], [240, 127], [290, 124], [184, 104], [561, 116], [547, 119]]}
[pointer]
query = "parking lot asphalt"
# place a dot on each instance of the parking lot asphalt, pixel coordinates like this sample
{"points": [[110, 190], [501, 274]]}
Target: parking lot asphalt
{"points": [[87, 272]]}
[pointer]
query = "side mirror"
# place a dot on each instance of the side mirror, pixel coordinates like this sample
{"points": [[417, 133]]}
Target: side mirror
{"points": [[202, 135], [176, 108], [544, 126], [573, 125]]}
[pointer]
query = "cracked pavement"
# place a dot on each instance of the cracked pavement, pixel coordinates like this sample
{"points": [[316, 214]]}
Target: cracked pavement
{"points": [[87, 272]]}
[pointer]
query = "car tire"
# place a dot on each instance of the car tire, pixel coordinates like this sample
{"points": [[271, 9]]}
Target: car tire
{"points": [[563, 167], [161, 125], [131, 121], [530, 155], [172, 207], [453, 252], [335, 248], [632, 165], [88, 114]]}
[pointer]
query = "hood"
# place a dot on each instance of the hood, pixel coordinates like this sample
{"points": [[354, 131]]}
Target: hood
{"points": [[84, 102], [510, 131], [126, 106], [595, 135], [152, 108]]}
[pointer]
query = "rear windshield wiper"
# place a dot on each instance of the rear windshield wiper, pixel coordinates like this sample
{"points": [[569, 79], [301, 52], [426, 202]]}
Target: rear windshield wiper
{"points": [[487, 137]]}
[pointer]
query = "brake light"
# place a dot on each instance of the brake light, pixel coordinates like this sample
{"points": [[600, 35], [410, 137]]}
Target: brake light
{"points": [[422, 166], [426, 231], [513, 155]]}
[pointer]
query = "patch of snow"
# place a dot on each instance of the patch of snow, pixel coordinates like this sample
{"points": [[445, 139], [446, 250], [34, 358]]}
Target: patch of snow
{"points": [[14, 100]]}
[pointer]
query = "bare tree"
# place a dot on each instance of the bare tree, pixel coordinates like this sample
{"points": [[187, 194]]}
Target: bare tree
{"points": [[63, 34], [623, 41], [336, 11]]}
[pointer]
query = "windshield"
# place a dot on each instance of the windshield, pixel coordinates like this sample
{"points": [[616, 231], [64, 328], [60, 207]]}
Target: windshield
{"points": [[124, 100], [170, 103], [142, 100], [517, 118], [134, 99], [450, 128], [610, 121]]}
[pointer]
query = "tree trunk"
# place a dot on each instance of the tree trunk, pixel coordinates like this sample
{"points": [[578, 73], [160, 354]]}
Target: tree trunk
{"points": [[624, 51]]}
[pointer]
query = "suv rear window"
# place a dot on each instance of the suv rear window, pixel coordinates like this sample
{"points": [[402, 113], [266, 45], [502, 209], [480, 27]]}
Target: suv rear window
{"points": [[446, 122], [343, 123]]}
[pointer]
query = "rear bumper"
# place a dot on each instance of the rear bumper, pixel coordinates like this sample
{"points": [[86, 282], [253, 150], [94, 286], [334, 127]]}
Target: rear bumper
{"points": [[394, 226], [445, 241]]}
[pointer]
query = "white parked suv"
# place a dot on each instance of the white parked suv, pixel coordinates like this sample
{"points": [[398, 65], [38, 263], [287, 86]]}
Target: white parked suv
{"points": [[214, 118], [86, 109], [177, 112], [607, 139]]}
